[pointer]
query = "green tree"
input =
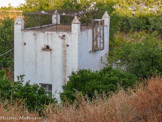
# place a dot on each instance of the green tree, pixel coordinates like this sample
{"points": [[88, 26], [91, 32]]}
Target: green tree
{"points": [[6, 42], [35, 5], [142, 58]]}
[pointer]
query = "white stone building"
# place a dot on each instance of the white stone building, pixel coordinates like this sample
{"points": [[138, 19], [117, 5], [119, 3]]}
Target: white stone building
{"points": [[47, 57]]}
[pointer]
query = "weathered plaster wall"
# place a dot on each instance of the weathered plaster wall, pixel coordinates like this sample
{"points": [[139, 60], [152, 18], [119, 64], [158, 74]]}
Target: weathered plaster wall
{"points": [[51, 67], [92, 60]]}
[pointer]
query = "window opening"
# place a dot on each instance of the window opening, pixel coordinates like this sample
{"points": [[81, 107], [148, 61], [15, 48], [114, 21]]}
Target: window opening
{"points": [[48, 89], [97, 34]]}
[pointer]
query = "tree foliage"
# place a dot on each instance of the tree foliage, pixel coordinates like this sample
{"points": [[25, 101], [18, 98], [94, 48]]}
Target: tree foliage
{"points": [[141, 57], [6, 42]]}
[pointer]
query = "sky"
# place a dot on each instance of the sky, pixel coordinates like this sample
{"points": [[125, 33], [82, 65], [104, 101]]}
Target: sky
{"points": [[13, 3]]}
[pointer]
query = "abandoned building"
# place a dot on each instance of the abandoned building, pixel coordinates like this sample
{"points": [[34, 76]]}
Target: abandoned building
{"points": [[48, 54]]}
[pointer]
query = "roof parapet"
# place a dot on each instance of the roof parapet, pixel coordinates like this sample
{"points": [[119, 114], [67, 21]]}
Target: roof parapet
{"points": [[76, 21], [106, 15]]}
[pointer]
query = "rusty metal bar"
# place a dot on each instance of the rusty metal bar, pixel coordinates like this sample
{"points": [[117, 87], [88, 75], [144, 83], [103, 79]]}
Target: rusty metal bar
{"points": [[41, 19]]}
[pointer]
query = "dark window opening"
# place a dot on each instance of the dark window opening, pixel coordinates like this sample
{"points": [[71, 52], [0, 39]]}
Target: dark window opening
{"points": [[47, 47], [47, 88]]}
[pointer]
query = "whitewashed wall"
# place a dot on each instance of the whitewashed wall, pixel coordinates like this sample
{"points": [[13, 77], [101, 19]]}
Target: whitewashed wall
{"points": [[51, 67], [87, 58]]}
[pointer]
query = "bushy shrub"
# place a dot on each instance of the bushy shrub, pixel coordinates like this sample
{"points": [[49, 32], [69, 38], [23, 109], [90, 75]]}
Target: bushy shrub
{"points": [[141, 57], [87, 82], [34, 96]]}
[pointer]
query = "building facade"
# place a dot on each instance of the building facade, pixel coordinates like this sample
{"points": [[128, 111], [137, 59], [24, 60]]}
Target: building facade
{"points": [[47, 57]]}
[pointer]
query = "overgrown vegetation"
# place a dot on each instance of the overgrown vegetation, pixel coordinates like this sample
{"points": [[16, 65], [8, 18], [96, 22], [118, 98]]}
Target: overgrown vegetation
{"points": [[140, 104], [140, 54], [136, 59], [33, 96], [86, 82]]}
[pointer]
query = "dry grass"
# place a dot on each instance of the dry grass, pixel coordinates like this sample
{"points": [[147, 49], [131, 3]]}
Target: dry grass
{"points": [[16, 113], [143, 104]]}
